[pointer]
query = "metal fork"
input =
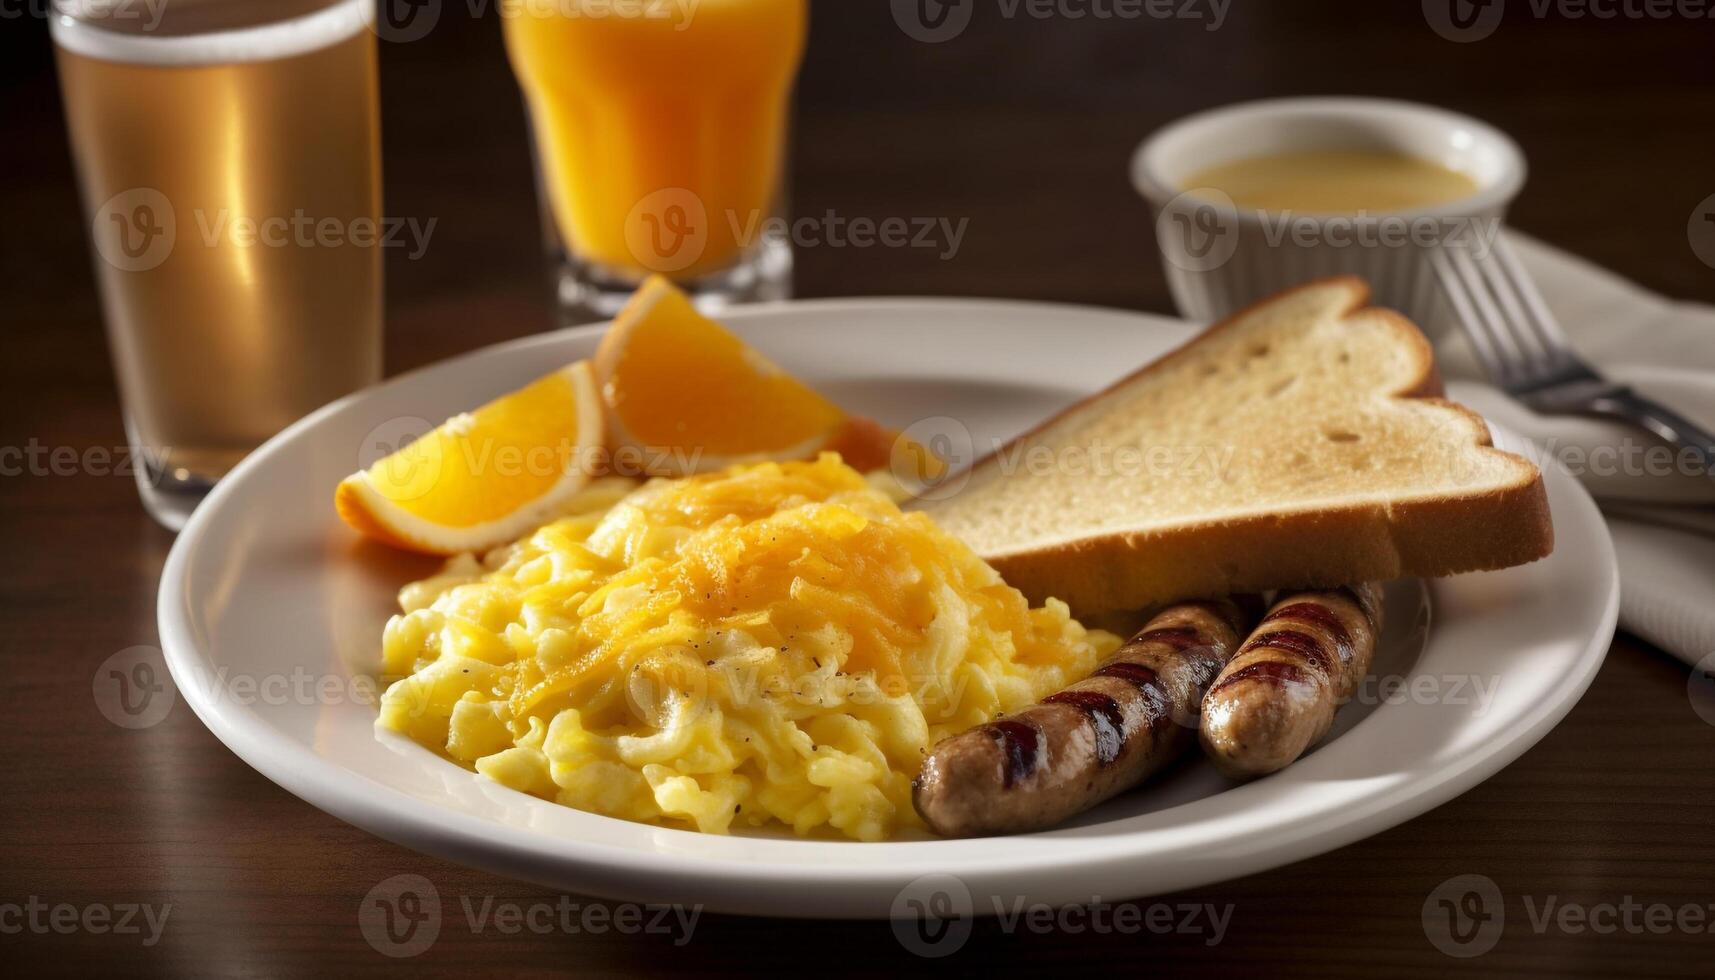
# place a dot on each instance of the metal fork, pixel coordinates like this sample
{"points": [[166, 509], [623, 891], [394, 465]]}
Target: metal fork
{"points": [[1525, 352]]}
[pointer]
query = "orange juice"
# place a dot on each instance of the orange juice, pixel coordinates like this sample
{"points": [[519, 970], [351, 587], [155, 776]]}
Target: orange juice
{"points": [[660, 125]]}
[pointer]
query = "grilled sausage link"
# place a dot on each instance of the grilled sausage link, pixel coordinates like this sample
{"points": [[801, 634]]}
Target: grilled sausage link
{"points": [[1278, 696], [1100, 736]]}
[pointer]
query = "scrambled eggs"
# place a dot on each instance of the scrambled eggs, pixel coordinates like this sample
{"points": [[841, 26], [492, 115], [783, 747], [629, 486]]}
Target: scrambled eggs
{"points": [[776, 642]]}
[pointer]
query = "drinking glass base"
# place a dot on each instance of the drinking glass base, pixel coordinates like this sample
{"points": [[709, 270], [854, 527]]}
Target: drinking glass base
{"points": [[169, 496], [587, 291]]}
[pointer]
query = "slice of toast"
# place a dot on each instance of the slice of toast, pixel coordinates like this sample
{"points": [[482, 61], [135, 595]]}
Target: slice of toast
{"points": [[1300, 443]]}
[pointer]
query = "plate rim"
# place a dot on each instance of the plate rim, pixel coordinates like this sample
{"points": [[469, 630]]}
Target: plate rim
{"points": [[448, 832]]}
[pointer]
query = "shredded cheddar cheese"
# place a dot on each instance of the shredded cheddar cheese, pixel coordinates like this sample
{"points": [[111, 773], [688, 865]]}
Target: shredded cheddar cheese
{"points": [[773, 643]]}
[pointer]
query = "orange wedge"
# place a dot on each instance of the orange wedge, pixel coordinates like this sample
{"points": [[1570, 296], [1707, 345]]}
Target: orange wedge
{"points": [[486, 477], [672, 379]]}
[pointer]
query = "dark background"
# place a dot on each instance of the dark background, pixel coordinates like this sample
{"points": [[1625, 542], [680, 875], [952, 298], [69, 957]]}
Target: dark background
{"points": [[1024, 127]]}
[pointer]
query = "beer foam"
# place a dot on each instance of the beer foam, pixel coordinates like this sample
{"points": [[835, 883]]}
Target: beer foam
{"points": [[262, 42]]}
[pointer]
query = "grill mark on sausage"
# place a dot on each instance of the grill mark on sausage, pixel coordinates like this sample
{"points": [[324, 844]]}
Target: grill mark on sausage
{"points": [[1298, 643], [1321, 616], [1148, 684], [1274, 671], [1105, 717], [1020, 744], [1135, 674]]}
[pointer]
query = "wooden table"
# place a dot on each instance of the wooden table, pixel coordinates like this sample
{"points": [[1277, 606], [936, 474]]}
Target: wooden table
{"points": [[1021, 125]]}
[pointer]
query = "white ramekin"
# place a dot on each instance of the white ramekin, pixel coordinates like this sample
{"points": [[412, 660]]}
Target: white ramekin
{"points": [[1220, 258]]}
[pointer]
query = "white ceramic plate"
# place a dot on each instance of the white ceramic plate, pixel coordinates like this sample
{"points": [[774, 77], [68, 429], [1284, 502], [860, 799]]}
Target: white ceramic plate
{"points": [[271, 612]]}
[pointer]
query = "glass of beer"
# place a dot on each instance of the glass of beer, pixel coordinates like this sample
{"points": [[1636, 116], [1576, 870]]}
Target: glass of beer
{"points": [[660, 129], [228, 153]]}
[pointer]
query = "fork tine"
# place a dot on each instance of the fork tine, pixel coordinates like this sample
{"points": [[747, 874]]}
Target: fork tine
{"points": [[1516, 362], [1537, 351], [1460, 297], [1483, 324], [1548, 329]]}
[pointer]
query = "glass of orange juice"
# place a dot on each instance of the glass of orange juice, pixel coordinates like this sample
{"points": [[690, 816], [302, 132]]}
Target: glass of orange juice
{"points": [[660, 131]]}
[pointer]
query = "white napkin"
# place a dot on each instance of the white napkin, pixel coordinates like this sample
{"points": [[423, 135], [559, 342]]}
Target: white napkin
{"points": [[1663, 520]]}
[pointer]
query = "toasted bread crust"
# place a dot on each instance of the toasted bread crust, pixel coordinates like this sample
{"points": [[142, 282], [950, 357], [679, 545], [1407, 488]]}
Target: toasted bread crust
{"points": [[1495, 527]]}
